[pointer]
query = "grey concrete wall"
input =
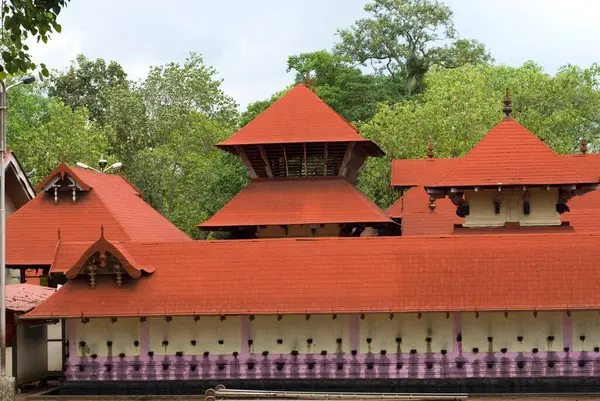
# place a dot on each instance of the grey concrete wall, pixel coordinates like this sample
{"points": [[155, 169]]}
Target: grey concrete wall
{"points": [[32, 352]]}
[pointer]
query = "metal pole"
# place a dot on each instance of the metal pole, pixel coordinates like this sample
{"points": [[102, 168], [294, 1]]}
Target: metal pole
{"points": [[3, 109]]}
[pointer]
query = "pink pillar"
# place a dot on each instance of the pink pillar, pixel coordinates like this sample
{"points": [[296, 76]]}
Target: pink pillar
{"points": [[144, 339]]}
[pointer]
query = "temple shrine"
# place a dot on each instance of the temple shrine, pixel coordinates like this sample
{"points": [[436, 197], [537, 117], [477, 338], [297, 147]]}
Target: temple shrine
{"points": [[482, 277]]}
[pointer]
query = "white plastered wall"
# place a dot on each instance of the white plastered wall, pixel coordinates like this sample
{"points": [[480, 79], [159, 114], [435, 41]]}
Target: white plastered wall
{"points": [[505, 330], [55, 347], [482, 213], [207, 332], [586, 324], [123, 333], [413, 331], [295, 330]]}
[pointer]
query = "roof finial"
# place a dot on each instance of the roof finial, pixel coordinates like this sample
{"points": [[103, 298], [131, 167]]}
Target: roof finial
{"points": [[102, 231], [59, 233], [430, 153], [583, 148], [306, 83], [393, 153], [62, 157], [507, 109]]}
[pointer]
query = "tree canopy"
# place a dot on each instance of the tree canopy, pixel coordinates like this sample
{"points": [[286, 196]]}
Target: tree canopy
{"points": [[405, 38], [21, 20], [461, 105]]}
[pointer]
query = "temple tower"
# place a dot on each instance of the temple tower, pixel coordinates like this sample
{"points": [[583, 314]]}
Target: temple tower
{"points": [[303, 160]]}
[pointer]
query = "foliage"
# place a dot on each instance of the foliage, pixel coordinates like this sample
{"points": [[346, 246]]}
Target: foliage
{"points": [[86, 84], [41, 130], [404, 38], [461, 105], [22, 19], [344, 87], [182, 113]]}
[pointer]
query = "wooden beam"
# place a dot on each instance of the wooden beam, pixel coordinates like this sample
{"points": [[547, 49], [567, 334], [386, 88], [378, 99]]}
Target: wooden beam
{"points": [[325, 160], [305, 161], [266, 160], [346, 159], [246, 161], [287, 172]]}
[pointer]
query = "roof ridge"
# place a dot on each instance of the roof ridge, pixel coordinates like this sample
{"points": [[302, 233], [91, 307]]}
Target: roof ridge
{"points": [[492, 133]]}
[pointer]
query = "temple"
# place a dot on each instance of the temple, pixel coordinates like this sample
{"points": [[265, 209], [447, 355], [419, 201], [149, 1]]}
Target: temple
{"points": [[483, 276], [303, 160]]}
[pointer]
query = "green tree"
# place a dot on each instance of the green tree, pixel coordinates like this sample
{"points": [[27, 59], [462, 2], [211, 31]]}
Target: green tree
{"points": [[180, 171], [22, 19], [41, 130], [343, 86], [87, 83], [403, 38], [459, 106]]}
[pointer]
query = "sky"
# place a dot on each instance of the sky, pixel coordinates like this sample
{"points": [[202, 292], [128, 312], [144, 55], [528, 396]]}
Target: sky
{"points": [[248, 42]]}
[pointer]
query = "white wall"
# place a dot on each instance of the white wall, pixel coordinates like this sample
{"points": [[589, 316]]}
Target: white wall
{"points": [[505, 330], [413, 331], [482, 213], [207, 332], [295, 330], [123, 333]]}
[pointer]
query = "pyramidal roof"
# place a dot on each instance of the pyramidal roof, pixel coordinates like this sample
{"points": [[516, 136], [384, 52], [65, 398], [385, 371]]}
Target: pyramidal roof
{"points": [[311, 200], [298, 117], [511, 155]]}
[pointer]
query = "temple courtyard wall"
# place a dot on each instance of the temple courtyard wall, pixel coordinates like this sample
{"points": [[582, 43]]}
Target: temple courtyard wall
{"points": [[371, 346]]}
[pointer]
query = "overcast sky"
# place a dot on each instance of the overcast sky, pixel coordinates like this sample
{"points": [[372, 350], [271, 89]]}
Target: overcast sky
{"points": [[248, 42]]}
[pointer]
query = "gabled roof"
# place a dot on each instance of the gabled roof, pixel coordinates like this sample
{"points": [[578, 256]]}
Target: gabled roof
{"points": [[287, 201], [415, 172], [59, 173], [12, 163], [511, 155], [112, 202], [103, 246], [418, 220], [346, 275], [299, 116]]}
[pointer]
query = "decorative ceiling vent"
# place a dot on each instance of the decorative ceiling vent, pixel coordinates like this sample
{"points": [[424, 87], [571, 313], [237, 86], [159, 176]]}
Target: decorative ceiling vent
{"points": [[63, 179], [107, 258]]}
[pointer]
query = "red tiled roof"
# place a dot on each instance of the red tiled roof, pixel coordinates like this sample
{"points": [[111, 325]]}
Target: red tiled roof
{"points": [[62, 170], [32, 231], [418, 220], [299, 117], [346, 275], [585, 163], [415, 172], [25, 297], [127, 261], [313, 200], [511, 155]]}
